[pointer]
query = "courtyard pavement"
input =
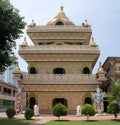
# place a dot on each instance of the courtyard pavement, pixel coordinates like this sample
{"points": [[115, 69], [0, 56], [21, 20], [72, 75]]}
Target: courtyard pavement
{"points": [[42, 119]]}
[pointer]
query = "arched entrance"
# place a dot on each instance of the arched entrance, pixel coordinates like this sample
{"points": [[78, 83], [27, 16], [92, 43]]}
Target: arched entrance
{"points": [[88, 100], [32, 102], [60, 100], [105, 102]]}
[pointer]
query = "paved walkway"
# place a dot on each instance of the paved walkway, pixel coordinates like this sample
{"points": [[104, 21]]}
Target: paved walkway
{"points": [[42, 119]]}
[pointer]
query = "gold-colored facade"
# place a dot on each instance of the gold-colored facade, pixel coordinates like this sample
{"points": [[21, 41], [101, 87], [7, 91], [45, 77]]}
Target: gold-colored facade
{"points": [[60, 64]]}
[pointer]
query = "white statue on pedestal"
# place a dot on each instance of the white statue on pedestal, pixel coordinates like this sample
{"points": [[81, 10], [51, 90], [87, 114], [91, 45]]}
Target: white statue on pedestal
{"points": [[36, 110], [78, 110]]}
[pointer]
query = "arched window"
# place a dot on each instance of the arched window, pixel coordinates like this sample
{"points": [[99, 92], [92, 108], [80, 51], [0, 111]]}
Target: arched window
{"points": [[88, 100], [86, 70], [59, 23], [58, 71], [32, 70]]}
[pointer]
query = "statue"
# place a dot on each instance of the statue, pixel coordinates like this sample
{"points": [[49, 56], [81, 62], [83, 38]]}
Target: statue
{"points": [[98, 100], [36, 110], [78, 110]]}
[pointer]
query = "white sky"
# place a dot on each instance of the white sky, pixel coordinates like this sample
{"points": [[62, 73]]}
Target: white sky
{"points": [[102, 15]]}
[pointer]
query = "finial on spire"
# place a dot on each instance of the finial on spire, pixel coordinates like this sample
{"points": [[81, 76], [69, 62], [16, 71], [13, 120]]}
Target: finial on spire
{"points": [[61, 8], [92, 38], [17, 69], [24, 43], [25, 38], [100, 64], [85, 24], [32, 23], [92, 43], [100, 69]]}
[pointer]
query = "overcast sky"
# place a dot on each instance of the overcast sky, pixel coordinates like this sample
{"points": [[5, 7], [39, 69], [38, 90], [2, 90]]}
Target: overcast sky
{"points": [[102, 15]]}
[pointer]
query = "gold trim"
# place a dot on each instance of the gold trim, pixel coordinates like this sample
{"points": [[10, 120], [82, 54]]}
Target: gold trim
{"points": [[32, 94], [87, 94], [32, 65]]}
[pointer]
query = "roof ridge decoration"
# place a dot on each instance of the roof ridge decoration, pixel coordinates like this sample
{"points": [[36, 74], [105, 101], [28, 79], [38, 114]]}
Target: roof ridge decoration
{"points": [[61, 14], [60, 17], [100, 69]]}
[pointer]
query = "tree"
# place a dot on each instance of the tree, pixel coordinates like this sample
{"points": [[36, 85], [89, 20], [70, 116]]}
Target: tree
{"points": [[114, 96], [113, 108], [28, 113], [88, 110], [60, 110], [10, 112], [11, 25]]}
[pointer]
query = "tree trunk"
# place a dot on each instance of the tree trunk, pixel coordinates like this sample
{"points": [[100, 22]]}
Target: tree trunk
{"points": [[87, 117], [58, 117]]}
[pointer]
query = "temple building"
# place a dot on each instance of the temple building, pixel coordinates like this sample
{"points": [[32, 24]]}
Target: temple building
{"points": [[60, 64]]}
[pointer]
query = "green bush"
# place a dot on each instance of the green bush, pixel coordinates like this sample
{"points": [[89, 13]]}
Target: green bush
{"points": [[113, 108], [29, 113], [60, 110], [10, 112], [88, 110]]}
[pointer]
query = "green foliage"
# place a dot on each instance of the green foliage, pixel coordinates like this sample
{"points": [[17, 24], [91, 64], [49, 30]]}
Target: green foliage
{"points": [[113, 108], [15, 121], [114, 95], [60, 110], [10, 112], [11, 25], [29, 113], [88, 110]]}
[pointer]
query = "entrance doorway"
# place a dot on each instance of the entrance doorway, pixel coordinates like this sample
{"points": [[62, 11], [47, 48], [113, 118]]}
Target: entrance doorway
{"points": [[32, 102], [88, 100], [105, 102], [60, 100]]}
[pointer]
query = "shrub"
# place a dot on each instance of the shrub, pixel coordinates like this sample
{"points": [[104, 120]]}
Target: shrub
{"points": [[10, 112], [113, 108], [60, 110], [29, 113], [88, 110]]}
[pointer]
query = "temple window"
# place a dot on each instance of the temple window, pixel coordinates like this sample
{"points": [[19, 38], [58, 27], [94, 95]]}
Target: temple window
{"points": [[80, 43], [58, 71], [33, 70], [59, 23], [40, 43], [86, 70]]}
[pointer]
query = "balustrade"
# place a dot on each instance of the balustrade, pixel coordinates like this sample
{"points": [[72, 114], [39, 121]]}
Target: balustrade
{"points": [[56, 78], [58, 47]]}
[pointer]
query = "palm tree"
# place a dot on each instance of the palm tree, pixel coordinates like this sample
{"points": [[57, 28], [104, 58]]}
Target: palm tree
{"points": [[114, 96]]}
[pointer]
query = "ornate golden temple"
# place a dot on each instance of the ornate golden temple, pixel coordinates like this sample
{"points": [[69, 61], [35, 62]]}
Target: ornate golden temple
{"points": [[60, 64]]}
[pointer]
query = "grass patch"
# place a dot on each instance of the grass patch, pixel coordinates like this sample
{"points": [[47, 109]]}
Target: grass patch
{"points": [[14, 121], [83, 122]]}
